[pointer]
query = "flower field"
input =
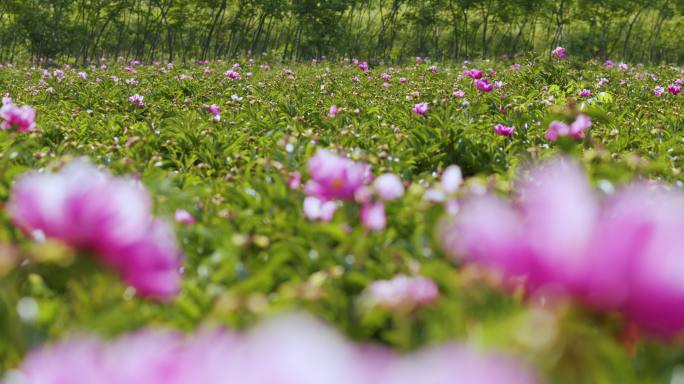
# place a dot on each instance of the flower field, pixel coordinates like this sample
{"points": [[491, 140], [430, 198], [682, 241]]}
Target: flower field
{"points": [[342, 222]]}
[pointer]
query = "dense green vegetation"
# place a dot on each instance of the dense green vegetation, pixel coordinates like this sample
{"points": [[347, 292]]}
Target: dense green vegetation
{"points": [[379, 30], [252, 251]]}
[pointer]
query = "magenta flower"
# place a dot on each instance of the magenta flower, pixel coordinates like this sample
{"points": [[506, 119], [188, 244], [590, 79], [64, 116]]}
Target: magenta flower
{"points": [[516, 67], [335, 177], [402, 80], [184, 217], [674, 89], [659, 91], [137, 100], [215, 111], [420, 109], [402, 293], [233, 75], [585, 93], [483, 85], [91, 210], [23, 119], [363, 66], [474, 73], [621, 254], [559, 52], [503, 130], [575, 130], [433, 69], [608, 64], [623, 67], [389, 186]]}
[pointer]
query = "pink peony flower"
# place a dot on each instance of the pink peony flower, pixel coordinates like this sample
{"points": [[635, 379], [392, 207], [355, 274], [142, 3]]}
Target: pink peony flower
{"points": [[503, 130], [333, 111], [184, 217], [459, 93], [215, 111], [559, 52], [608, 64], [474, 73], [420, 109], [402, 293], [389, 186], [335, 177], [373, 216], [483, 85], [233, 75], [575, 130], [363, 66], [294, 180], [658, 91], [23, 119], [289, 349], [137, 100], [91, 210], [674, 89], [622, 254], [585, 93]]}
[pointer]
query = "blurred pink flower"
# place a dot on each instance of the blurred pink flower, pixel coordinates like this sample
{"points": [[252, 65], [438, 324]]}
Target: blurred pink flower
{"points": [[575, 130], [402, 292], [91, 210], [483, 85], [503, 130], [585, 93], [317, 209], [183, 217], [658, 91], [137, 100], [23, 119], [674, 89], [288, 349], [294, 180], [335, 177], [621, 254], [452, 178], [559, 52], [474, 73], [420, 109], [389, 186], [373, 216], [233, 75]]}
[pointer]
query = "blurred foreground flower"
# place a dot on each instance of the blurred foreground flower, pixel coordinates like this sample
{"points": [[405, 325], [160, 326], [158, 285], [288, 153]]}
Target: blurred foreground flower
{"points": [[23, 119], [91, 210], [623, 254], [291, 349]]}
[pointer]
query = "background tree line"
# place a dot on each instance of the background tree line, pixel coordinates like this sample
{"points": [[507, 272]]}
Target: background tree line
{"points": [[376, 30]]}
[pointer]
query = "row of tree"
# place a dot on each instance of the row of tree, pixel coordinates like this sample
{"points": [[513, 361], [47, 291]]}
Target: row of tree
{"points": [[376, 30]]}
